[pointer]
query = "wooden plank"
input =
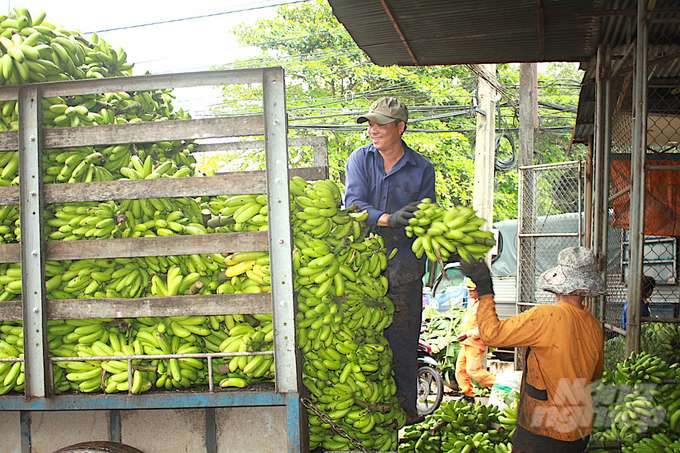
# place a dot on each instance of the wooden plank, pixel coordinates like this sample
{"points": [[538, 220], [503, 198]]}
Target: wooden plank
{"points": [[141, 83], [10, 310], [310, 174], [234, 183], [237, 183], [109, 134], [197, 244], [10, 253], [201, 305], [9, 141]]}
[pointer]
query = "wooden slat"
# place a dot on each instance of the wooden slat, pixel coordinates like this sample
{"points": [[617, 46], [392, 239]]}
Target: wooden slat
{"points": [[201, 305], [198, 244], [140, 83], [110, 134], [233, 126], [234, 183], [9, 141]]}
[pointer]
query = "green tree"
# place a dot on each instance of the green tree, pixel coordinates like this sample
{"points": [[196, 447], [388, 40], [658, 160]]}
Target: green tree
{"points": [[330, 81]]}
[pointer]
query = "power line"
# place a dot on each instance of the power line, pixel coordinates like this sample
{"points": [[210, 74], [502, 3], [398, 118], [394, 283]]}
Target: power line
{"points": [[203, 16]]}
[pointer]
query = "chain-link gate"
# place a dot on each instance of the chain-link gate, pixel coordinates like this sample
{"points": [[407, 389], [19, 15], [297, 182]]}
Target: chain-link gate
{"points": [[550, 219]]}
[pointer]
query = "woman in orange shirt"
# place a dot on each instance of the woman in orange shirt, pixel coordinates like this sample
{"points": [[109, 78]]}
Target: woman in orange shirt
{"points": [[564, 352], [472, 349]]}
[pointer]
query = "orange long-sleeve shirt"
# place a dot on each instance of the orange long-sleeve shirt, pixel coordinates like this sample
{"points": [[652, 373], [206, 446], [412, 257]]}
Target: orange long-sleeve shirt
{"points": [[469, 327], [564, 354]]}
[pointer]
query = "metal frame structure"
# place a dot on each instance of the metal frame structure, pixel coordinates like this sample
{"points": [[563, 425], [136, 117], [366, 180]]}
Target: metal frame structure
{"points": [[34, 309]]}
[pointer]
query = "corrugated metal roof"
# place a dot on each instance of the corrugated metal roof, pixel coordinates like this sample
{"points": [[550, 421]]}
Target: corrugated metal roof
{"points": [[439, 32], [445, 32]]}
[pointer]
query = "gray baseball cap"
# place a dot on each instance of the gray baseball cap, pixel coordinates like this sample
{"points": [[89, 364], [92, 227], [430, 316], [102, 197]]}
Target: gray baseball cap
{"points": [[385, 110], [576, 274]]}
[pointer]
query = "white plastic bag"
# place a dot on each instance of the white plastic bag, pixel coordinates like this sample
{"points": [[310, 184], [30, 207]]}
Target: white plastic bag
{"points": [[507, 383]]}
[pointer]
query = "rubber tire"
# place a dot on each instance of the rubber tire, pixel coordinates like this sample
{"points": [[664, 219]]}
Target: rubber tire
{"points": [[98, 447], [428, 375]]}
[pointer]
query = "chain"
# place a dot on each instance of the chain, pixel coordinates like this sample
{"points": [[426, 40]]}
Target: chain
{"points": [[339, 429]]}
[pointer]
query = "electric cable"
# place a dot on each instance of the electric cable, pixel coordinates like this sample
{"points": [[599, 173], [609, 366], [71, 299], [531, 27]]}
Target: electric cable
{"points": [[202, 16]]}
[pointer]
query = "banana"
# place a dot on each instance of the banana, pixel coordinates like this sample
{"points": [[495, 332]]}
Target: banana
{"points": [[233, 382]]}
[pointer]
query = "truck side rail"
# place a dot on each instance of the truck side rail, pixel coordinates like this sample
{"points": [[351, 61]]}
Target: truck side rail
{"points": [[34, 309]]}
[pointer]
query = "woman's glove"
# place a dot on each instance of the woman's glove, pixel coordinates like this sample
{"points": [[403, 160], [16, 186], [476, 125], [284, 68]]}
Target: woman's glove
{"points": [[401, 217], [479, 273]]}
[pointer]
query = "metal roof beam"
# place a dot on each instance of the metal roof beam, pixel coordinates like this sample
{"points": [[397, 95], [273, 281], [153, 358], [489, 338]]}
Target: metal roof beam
{"points": [[399, 32], [540, 25]]}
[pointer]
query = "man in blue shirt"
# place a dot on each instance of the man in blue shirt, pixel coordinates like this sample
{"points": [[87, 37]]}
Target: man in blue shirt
{"points": [[389, 179], [648, 284]]}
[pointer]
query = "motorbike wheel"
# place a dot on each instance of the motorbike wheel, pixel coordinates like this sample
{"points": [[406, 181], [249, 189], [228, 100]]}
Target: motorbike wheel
{"points": [[430, 390]]}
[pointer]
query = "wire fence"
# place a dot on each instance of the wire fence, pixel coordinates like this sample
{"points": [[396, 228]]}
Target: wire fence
{"points": [[550, 219], [661, 210]]}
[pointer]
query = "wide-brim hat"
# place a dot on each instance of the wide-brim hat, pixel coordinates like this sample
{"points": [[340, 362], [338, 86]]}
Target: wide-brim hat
{"points": [[576, 274], [384, 111]]}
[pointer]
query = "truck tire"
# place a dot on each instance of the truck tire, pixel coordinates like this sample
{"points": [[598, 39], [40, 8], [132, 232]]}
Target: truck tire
{"points": [[99, 447]]}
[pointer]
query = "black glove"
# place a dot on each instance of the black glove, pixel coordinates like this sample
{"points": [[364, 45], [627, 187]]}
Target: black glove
{"points": [[453, 258], [401, 217], [479, 273]]}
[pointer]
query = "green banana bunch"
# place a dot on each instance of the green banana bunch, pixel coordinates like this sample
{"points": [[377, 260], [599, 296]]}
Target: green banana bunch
{"points": [[442, 232], [34, 50], [658, 442], [245, 337], [458, 426], [11, 347], [84, 376], [238, 213], [10, 281], [342, 311], [635, 402], [245, 272]]}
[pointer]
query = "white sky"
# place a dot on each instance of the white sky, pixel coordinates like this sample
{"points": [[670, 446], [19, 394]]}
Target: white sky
{"points": [[178, 46]]}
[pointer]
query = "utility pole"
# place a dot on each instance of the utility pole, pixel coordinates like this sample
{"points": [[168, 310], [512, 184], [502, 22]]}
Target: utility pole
{"points": [[528, 121], [485, 150], [528, 112], [526, 215]]}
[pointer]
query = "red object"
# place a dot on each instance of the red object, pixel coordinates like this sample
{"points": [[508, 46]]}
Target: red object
{"points": [[662, 195], [425, 345]]}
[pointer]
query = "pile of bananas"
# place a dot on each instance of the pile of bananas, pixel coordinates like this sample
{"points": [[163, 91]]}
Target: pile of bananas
{"points": [[459, 426], [146, 336], [637, 400], [36, 51], [442, 232], [342, 312], [658, 443]]}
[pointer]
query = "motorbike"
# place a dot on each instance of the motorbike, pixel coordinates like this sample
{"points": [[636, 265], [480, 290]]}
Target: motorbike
{"points": [[430, 382]]}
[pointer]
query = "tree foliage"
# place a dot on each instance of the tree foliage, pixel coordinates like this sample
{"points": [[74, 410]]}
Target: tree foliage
{"points": [[330, 81]]}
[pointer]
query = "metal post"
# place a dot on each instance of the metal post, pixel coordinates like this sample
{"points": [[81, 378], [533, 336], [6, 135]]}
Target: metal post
{"points": [[280, 235], [32, 237], [606, 181], [637, 175], [25, 427], [281, 248], [596, 198], [115, 426], [210, 430]]}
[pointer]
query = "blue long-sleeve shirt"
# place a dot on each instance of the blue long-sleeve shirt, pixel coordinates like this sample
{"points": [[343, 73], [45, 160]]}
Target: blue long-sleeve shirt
{"points": [[366, 185]]}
